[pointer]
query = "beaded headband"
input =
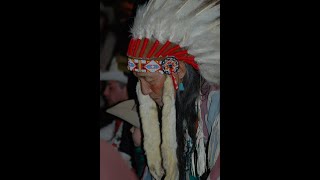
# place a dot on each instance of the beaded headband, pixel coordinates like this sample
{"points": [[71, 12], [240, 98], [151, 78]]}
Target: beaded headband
{"points": [[166, 66], [154, 57]]}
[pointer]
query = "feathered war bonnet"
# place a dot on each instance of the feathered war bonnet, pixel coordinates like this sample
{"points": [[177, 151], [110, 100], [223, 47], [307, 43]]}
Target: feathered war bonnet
{"points": [[164, 33]]}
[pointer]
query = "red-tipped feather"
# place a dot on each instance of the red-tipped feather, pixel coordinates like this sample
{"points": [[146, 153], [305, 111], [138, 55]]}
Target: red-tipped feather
{"points": [[163, 48], [129, 47], [153, 48], [145, 42], [136, 47], [171, 50], [180, 53], [132, 46]]}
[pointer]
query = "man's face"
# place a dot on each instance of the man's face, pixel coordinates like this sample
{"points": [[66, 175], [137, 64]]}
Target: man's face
{"points": [[114, 93], [152, 85]]}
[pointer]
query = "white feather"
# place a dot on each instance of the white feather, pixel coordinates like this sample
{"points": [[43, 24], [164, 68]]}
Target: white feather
{"points": [[187, 7]]}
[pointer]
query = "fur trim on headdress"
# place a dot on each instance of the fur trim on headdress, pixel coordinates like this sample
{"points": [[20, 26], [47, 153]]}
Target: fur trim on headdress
{"points": [[151, 132], [169, 137], [152, 136]]}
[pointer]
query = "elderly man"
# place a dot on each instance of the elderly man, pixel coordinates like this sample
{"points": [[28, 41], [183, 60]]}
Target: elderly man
{"points": [[175, 54]]}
